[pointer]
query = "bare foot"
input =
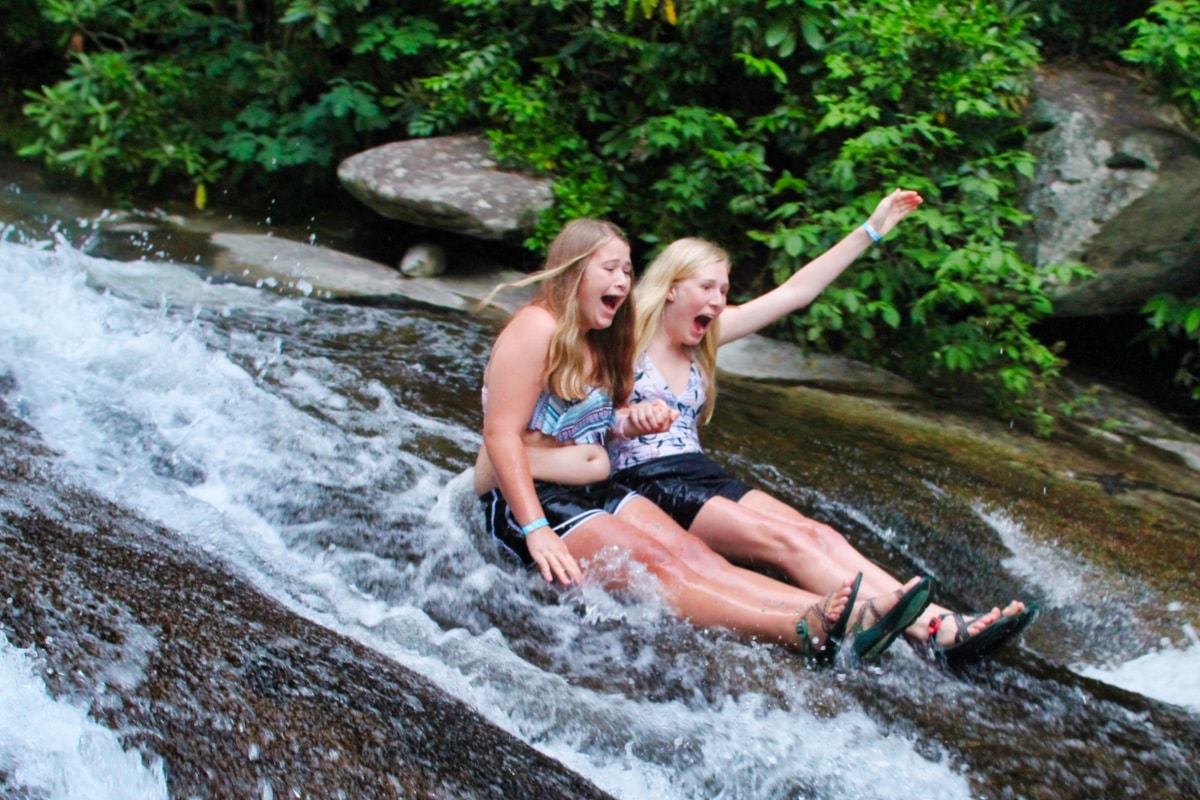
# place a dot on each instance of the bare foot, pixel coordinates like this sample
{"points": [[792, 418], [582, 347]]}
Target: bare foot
{"points": [[947, 631], [813, 628]]}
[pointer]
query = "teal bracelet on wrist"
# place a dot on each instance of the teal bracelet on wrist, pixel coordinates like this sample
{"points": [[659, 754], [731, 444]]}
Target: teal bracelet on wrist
{"points": [[533, 526], [876, 237]]}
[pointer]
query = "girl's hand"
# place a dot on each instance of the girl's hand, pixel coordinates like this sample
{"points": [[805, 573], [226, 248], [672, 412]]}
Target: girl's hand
{"points": [[893, 208], [648, 418], [552, 557]]}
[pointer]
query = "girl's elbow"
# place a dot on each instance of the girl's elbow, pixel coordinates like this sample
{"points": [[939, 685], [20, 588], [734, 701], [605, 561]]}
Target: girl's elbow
{"points": [[496, 438]]}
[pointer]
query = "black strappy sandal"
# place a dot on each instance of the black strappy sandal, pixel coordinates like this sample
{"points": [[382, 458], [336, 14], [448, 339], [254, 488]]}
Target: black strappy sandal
{"points": [[968, 647]]}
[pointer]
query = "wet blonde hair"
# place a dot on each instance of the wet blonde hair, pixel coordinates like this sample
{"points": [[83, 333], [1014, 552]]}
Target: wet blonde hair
{"points": [[612, 348], [680, 260]]}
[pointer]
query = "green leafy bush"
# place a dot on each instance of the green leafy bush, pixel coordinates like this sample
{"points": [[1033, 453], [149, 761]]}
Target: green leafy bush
{"points": [[194, 93], [774, 129], [1166, 44], [928, 96], [108, 114]]}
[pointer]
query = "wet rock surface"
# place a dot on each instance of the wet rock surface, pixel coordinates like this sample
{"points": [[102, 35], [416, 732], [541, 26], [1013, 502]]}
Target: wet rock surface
{"points": [[234, 692], [1097, 524]]}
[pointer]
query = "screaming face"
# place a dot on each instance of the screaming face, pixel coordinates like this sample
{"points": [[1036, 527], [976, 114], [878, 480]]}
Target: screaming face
{"points": [[606, 282], [695, 302]]}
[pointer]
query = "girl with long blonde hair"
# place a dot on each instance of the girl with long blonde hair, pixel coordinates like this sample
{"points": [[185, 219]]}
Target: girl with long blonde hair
{"points": [[682, 319], [548, 394]]}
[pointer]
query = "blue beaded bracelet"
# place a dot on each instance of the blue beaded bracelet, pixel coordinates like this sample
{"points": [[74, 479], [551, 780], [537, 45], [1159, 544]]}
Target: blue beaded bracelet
{"points": [[533, 526], [876, 237]]}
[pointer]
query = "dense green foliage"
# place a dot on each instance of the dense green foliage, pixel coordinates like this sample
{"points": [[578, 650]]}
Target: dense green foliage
{"points": [[158, 90], [1167, 45], [770, 126]]}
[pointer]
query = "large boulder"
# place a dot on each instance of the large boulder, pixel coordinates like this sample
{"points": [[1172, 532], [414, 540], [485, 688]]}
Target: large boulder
{"points": [[449, 183], [1116, 189]]}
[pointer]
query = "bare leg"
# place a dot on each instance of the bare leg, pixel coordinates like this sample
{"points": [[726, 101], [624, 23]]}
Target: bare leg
{"points": [[704, 560], [703, 587], [763, 530]]}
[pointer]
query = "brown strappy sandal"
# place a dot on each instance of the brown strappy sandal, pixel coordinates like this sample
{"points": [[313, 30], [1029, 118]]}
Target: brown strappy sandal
{"points": [[822, 649]]}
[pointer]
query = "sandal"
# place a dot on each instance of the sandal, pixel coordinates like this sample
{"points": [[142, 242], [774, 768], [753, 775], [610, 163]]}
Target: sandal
{"points": [[871, 640], [967, 647], [824, 653]]}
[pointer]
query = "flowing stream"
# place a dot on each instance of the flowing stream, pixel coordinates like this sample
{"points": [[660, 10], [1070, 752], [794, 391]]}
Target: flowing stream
{"points": [[319, 450]]}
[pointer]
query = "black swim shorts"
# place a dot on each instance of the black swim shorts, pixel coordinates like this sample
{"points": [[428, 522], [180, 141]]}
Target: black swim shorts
{"points": [[681, 484], [566, 508]]}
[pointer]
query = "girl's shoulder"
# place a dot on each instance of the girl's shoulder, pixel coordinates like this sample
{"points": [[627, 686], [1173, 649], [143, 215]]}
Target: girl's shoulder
{"points": [[525, 339], [536, 313], [532, 320]]}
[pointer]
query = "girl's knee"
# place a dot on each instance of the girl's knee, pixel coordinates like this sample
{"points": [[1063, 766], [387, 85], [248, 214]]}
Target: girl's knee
{"points": [[829, 538], [669, 566], [784, 542]]}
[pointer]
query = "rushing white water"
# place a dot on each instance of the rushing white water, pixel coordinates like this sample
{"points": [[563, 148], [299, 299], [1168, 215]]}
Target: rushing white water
{"points": [[235, 418], [1060, 577], [1170, 674], [52, 749]]}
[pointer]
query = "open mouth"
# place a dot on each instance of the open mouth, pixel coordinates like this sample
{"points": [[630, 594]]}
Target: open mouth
{"points": [[612, 301], [701, 323]]}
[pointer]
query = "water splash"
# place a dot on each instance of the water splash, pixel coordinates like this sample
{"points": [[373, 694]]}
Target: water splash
{"points": [[1169, 674], [231, 417], [1063, 578], [51, 749]]}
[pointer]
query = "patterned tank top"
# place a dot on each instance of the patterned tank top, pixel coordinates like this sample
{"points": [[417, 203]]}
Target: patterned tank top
{"points": [[585, 421], [684, 434]]}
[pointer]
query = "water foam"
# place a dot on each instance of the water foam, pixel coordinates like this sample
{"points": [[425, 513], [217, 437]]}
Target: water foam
{"points": [[215, 431], [1169, 674], [52, 749]]}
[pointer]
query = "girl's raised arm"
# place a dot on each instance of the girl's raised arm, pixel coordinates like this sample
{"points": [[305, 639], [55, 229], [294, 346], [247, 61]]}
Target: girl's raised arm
{"points": [[804, 286]]}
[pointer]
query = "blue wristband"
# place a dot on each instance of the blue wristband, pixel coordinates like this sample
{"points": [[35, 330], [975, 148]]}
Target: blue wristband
{"points": [[533, 526], [876, 237]]}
